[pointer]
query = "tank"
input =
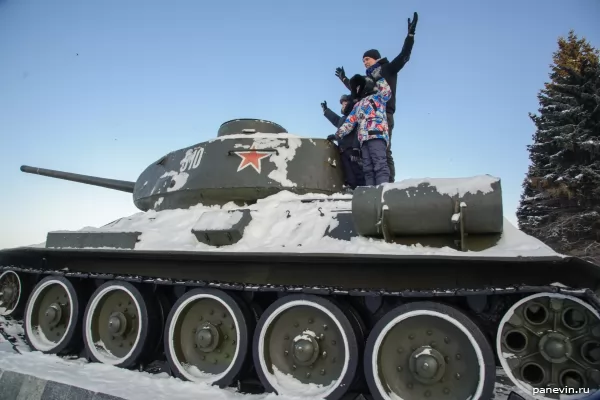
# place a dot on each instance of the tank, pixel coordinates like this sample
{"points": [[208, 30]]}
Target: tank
{"points": [[250, 265]]}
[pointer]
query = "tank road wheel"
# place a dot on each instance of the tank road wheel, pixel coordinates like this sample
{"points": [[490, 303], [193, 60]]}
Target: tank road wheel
{"points": [[12, 300], [305, 345], [551, 340], [53, 316], [207, 336], [120, 325], [427, 350]]}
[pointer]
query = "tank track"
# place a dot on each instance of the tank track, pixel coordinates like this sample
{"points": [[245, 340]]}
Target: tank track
{"points": [[488, 320]]}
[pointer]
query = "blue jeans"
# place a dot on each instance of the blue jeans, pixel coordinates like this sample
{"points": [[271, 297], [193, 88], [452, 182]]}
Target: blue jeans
{"points": [[375, 166]]}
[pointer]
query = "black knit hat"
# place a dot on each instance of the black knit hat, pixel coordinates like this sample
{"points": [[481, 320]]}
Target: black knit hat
{"points": [[374, 54]]}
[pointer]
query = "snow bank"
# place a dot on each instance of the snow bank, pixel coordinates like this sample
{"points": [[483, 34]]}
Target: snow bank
{"points": [[283, 223]]}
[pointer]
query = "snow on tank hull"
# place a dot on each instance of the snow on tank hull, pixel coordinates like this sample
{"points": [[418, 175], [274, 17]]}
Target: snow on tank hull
{"points": [[409, 290]]}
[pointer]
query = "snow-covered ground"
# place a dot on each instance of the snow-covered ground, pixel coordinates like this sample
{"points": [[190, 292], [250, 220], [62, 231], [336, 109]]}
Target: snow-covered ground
{"points": [[131, 385]]}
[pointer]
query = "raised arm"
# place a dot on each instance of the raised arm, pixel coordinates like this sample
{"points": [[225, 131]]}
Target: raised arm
{"points": [[383, 87], [340, 73], [332, 117], [349, 124], [397, 63], [385, 91]]}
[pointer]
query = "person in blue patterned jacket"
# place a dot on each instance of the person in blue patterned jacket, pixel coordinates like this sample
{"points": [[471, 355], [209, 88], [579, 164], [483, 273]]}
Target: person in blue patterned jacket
{"points": [[370, 116]]}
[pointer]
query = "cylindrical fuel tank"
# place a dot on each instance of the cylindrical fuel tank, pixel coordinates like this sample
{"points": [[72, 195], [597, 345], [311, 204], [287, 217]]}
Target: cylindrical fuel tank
{"points": [[427, 206]]}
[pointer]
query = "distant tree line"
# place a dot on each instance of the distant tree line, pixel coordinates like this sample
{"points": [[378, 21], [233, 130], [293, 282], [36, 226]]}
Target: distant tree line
{"points": [[560, 203]]}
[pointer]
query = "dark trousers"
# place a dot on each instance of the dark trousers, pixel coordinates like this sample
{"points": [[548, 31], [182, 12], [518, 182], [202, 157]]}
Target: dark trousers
{"points": [[353, 173], [375, 166], [390, 159]]}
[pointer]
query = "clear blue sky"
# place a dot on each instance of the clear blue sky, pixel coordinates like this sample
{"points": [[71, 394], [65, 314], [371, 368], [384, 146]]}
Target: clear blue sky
{"points": [[155, 76]]}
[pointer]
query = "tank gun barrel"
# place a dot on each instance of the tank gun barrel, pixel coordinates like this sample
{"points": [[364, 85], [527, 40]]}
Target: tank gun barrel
{"points": [[124, 186]]}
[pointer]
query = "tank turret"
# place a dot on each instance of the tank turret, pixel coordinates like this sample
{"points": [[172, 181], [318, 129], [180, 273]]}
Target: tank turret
{"points": [[249, 159]]}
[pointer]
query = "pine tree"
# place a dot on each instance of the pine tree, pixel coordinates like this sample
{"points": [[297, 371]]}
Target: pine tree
{"points": [[560, 203]]}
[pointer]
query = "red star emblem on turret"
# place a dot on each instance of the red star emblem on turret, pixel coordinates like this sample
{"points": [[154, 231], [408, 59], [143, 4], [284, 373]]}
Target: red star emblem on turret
{"points": [[251, 157]]}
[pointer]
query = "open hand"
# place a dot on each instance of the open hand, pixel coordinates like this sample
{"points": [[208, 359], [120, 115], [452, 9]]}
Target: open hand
{"points": [[413, 25], [340, 73]]}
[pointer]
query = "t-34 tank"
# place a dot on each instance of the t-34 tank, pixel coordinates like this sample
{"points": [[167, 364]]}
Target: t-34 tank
{"points": [[247, 261]]}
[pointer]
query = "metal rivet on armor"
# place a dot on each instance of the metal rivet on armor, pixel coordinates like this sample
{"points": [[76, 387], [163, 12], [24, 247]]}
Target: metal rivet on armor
{"points": [[446, 391], [324, 327], [400, 349], [333, 342], [322, 372], [446, 340], [447, 359], [400, 369], [458, 357], [308, 374], [286, 337], [457, 375], [429, 332], [433, 344], [427, 393], [294, 366], [296, 324], [324, 354], [226, 355], [310, 320], [225, 337], [409, 385], [411, 336], [286, 352]]}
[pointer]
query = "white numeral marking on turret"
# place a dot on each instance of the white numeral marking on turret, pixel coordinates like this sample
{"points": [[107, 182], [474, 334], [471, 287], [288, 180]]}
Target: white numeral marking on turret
{"points": [[192, 159]]}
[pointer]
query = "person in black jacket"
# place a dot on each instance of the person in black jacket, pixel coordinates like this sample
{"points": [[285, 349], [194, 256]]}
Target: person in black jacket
{"points": [[389, 70], [349, 145]]}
